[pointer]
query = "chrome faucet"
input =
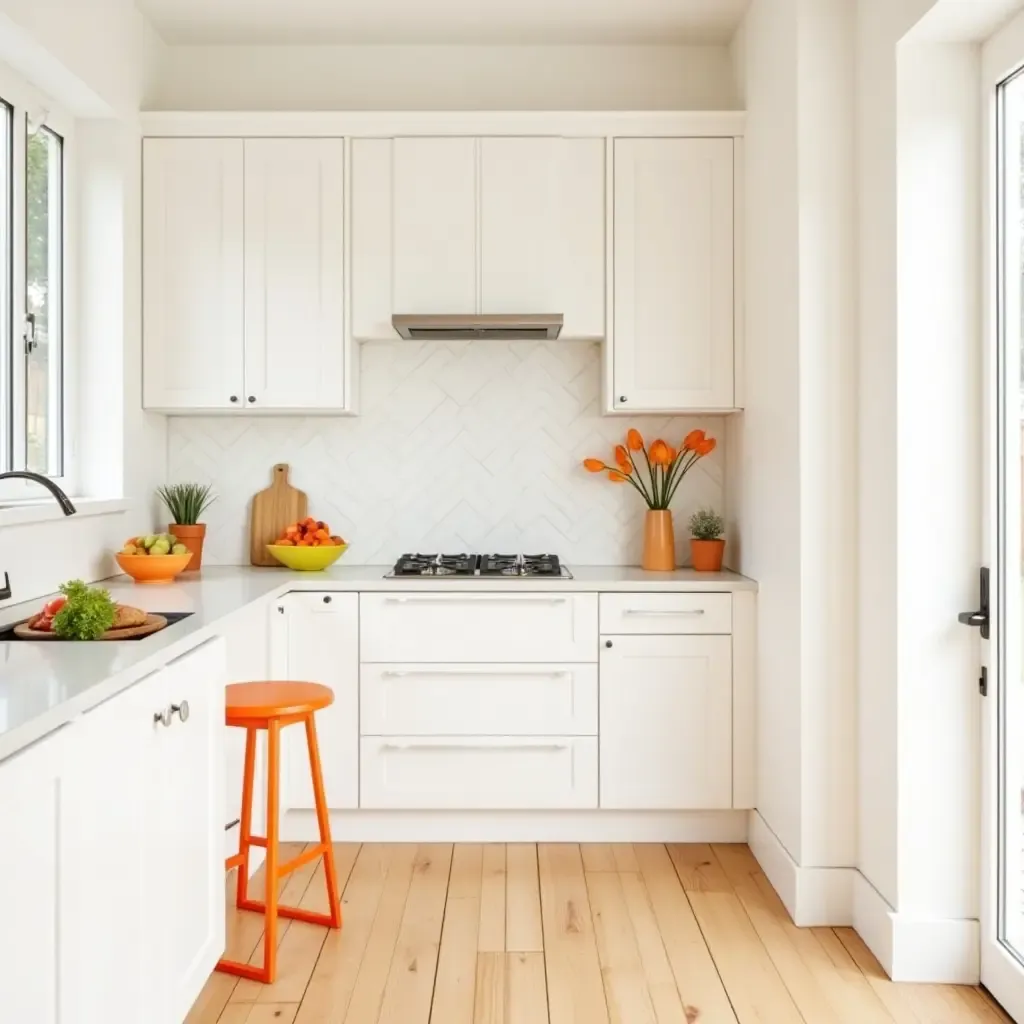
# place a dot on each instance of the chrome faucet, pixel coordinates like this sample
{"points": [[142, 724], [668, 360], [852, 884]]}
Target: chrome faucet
{"points": [[62, 499]]}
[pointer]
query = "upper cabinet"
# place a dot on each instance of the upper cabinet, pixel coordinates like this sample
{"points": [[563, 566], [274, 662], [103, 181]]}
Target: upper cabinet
{"points": [[490, 225], [673, 296], [243, 279]]}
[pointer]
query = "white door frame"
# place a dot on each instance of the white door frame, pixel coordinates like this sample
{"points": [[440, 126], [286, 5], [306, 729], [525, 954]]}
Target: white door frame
{"points": [[1001, 972]]}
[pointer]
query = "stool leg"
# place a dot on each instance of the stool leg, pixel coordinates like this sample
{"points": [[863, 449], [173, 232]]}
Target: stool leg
{"points": [[270, 927], [245, 827], [324, 821]]}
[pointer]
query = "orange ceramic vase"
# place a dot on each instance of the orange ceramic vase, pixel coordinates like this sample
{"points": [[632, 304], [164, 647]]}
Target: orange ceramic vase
{"points": [[706, 555], [659, 541], [192, 537]]}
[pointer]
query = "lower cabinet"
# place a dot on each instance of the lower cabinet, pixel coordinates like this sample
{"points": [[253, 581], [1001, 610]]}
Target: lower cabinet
{"points": [[666, 722], [315, 639], [479, 773], [113, 881]]}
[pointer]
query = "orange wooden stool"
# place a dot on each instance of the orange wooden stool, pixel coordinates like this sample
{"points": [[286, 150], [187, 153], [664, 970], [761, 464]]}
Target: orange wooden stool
{"points": [[272, 706]]}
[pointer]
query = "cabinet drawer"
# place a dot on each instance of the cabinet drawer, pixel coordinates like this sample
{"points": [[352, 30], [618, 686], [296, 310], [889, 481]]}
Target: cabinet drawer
{"points": [[491, 627], [666, 613], [479, 773], [478, 700]]}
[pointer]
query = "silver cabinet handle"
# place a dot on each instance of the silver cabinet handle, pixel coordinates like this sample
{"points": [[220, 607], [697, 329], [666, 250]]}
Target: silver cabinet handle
{"points": [[475, 598], [459, 674], [664, 611], [181, 710], [164, 717], [515, 748]]}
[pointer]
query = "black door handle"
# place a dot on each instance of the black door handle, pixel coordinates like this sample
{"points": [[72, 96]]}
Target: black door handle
{"points": [[5, 590], [979, 619]]}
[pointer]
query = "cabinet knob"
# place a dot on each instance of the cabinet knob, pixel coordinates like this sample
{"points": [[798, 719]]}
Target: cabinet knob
{"points": [[234, 398], [327, 600], [181, 710], [607, 643], [252, 398], [163, 717], [623, 398]]}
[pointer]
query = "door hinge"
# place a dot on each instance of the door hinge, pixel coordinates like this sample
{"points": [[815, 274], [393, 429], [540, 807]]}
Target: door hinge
{"points": [[983, 682]]}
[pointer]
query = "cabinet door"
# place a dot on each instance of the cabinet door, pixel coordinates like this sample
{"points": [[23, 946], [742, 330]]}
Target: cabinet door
{"points": [[294, 274], [666, 723], [414, 237], [30, 865], [186, 839], [542, 230], [316, 640], [192, 273], [109, 807], [673, 258]]}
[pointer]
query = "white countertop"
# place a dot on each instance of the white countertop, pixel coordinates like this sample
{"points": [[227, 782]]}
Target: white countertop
{"points": [[45, 684]]}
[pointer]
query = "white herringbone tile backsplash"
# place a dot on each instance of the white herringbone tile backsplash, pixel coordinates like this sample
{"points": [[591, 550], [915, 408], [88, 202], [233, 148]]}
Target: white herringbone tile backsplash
{"points": [[463, 446]]}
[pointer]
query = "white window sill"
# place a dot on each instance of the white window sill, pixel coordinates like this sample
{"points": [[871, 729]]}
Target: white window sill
{"points": [[18, 512]]}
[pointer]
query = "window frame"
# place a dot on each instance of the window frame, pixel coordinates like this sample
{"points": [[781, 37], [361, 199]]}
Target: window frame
{"points": [[27, 102]]}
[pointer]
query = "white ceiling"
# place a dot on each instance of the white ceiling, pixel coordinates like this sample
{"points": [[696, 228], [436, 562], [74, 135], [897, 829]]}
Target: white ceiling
{"points": [[498, 22]]}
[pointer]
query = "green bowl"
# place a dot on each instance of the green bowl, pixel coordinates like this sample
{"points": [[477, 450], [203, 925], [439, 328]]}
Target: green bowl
{"points": [[307, 559]]}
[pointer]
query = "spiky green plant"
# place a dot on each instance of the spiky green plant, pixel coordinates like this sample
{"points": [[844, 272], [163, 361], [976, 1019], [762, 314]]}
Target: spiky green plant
{"points": [[706, 524], [186, 502]]}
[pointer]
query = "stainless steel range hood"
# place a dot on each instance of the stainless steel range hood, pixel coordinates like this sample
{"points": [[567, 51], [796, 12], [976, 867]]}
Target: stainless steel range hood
{"points": [[469, 326]]}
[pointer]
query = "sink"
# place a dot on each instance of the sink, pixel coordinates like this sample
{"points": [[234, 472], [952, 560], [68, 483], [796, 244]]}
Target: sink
{"points": [[7, 634]]}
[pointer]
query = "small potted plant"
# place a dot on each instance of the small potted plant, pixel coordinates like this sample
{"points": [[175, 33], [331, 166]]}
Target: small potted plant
{"points": [[186, 504], [707, 544]]}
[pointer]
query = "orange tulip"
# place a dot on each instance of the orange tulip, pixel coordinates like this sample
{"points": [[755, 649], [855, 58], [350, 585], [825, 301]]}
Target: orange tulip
{"points": [[692, 440], [616, 477], [594, 465], [659, 453], [623, 460], [633, 440], [706, 447]]}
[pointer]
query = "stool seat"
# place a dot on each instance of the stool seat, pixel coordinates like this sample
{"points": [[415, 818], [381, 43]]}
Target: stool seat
{"points": [[259, 702]]}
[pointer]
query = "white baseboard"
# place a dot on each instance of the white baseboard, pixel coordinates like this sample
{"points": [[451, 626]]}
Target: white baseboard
{"points": [[521, 826], [908, 948], [917, 949], [813, 896]]}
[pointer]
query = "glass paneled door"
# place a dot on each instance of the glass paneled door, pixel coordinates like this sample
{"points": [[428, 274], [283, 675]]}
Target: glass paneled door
{"points": [[1001, 610]]}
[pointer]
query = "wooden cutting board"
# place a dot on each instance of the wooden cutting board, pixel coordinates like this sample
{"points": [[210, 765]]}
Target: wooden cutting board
{"points": [[278, 506], [153, 624]]}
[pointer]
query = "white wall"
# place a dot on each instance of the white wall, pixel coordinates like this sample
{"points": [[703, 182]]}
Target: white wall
{"points": [[458, 446], [444, 78]]}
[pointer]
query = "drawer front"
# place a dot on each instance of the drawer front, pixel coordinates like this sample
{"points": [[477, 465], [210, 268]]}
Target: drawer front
{"points": [[478, 773], [666, 613], [478, 700], [493, 627]]}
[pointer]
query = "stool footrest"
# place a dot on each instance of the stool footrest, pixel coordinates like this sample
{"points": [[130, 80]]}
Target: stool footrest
{"points": [[240, 970], [296, 914], [235, 861], [313, 853]]}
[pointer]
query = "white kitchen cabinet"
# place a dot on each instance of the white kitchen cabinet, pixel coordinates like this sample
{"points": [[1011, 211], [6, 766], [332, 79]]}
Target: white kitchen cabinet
{"points": [[665, 613], [413, 230], [315, 639], [184, 835], [294, 274], [192, 238], [666, 722], [542, 230], [243, 275], [502, 627], [30, 865], [489, 225], [673, 292], [479, 773]]}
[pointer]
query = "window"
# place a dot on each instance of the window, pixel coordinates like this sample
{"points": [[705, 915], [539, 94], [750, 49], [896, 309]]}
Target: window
{"points": [[34, 400]]}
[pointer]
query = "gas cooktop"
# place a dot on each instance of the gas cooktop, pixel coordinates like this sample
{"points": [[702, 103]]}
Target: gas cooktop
{"points": [[480, 566]]}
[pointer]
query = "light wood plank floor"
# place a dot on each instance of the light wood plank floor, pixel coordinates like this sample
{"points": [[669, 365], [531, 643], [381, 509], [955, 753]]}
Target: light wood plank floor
{"points": [[562, 934]]}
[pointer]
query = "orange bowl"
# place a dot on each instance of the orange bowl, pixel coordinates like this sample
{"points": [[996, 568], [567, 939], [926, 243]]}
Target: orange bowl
{"points": [[153, 568]]}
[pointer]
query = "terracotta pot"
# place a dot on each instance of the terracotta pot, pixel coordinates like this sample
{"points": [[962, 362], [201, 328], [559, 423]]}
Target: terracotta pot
{"points": [[659, 541], [192, 537], [706, 555]]}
